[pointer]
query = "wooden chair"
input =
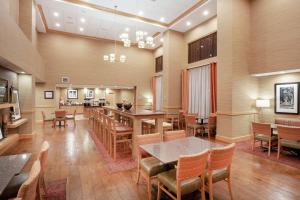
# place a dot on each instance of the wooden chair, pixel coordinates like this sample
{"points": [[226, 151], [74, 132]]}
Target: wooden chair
{"points": [[191, 123], [174, 135], [72, 117], [181, 119], [210, 128], [60, 116], [288, 137], [263, 133], [148, 166], [28, 190], [42, 157], [187, 178], [118, 134], [219, 167]]}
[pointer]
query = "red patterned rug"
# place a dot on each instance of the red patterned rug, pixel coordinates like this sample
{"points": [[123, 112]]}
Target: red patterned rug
{"points": [[123, 162], [285, 156], [56, 190]]}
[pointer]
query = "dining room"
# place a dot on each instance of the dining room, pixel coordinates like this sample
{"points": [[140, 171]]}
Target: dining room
{"points": [[185, 99]]}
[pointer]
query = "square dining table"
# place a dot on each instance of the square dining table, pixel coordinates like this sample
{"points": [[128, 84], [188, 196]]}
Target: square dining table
{"points": [[10, 166], [170, 151]]}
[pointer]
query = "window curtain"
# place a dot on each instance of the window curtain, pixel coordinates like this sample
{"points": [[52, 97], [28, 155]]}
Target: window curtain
{"points": [[153, 88], [213, 87], [184, 90], [199, 91], [159, 93]]}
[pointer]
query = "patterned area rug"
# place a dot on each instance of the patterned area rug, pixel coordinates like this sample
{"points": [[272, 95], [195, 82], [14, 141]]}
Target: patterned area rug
{"points": [[286, 157], [56, 190], [123, 162]]}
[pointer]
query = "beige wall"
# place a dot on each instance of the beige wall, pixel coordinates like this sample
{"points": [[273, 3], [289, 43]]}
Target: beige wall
{"points": [[266, 91], [275, 35], [16, 51]]}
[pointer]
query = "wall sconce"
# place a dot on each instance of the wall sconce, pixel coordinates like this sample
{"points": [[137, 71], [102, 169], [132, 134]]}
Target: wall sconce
{"points": [[85, 90]]}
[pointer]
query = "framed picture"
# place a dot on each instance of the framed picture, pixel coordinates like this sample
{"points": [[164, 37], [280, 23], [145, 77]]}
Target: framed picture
{"points": [[65, 80], [49, 94], [90, 94], [16, 111], [287, 98], [72, 94]]}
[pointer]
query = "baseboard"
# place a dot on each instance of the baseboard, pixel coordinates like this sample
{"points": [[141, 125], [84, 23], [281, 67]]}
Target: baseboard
{"points": [[231, 140]]}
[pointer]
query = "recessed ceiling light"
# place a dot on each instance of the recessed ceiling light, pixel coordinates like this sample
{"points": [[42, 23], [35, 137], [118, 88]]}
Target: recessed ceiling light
{"points": [[127, 29], [162, 19], [153, 45], [82, 20], [145, 33], [22, 72], [56, 14], [81, 29], [205, 13], [57, 24], [161, 40], [188, 23], [141, 13]]}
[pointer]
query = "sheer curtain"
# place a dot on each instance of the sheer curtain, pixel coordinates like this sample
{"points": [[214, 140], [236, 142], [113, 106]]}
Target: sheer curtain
{"points": [[159, 93], [199, 91]]}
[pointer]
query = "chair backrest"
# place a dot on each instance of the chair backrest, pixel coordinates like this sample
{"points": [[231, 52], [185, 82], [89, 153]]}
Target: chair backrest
{"points": [[212, 120], [174, 135], [287, 122], [288, 133], [43, 115], [60, 113], [190, 118], [147, 139], [43, 154], [261, 128], [221, 158], [191, 166], [28, 189]]}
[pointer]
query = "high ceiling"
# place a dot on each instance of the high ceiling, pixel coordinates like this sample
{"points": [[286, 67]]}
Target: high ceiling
{"points": [[97, 18]]}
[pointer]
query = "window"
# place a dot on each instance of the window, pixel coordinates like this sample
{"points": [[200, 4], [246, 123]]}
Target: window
{"points": [[203, 48], [159, 64]]}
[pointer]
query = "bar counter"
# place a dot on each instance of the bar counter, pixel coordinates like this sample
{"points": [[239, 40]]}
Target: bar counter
{"points": [[137, 114]]}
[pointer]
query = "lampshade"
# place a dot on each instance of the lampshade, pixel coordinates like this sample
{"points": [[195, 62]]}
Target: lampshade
{"points": [[262, 103]]}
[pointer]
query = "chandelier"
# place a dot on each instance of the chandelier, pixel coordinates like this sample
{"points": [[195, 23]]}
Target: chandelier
{"points": [[113, 57]]}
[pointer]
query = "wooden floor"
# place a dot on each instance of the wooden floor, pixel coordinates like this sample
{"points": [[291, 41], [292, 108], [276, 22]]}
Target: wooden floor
{"points": [[73, 155]]}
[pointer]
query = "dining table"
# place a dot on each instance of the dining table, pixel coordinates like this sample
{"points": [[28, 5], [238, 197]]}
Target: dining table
{"points": [[170, 151], [11, 165]]}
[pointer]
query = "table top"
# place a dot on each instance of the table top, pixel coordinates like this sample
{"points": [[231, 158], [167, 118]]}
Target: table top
{"points": [[134, 112], [170, 151], [10, 166]]}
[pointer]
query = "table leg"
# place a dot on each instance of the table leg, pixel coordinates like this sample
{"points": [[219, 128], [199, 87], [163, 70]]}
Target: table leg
{"points": [[137, 130]]}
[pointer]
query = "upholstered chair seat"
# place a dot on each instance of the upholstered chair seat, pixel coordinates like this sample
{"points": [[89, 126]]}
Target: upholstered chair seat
{"points": [[152, 166], [168, 179], [265, 138], [218, 175], [290, 144]]}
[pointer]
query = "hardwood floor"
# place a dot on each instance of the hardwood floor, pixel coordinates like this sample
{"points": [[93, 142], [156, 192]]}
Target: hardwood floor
{"points": [[73, 155]]}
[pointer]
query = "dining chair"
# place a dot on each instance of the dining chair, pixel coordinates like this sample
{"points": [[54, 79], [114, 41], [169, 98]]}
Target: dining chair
{"points": [[191, 123], [262, 132], [148, 166], [187, 178], [42, 157], [72, 117], [28, 190], [210, 127], [118, 134], [219, 167], [174, 135], [181, 119], [288, 137], [60, 116]]}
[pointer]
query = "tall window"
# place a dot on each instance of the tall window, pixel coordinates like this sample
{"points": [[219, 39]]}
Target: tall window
{"points": [[199, 91], [159, 93]]}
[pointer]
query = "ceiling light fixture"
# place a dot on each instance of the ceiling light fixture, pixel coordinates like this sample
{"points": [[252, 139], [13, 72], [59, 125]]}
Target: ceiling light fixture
{"points": [[57, 24], [162, 19], [161, 40], [127, 29], [141, 13], [81, 29], [82, 20], [56, 14], [206, 12], [112, 57], [188, 23], [22, 72]]}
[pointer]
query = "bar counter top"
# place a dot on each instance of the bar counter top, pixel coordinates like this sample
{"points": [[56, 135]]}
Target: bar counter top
{"points": [[134, 111]]}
